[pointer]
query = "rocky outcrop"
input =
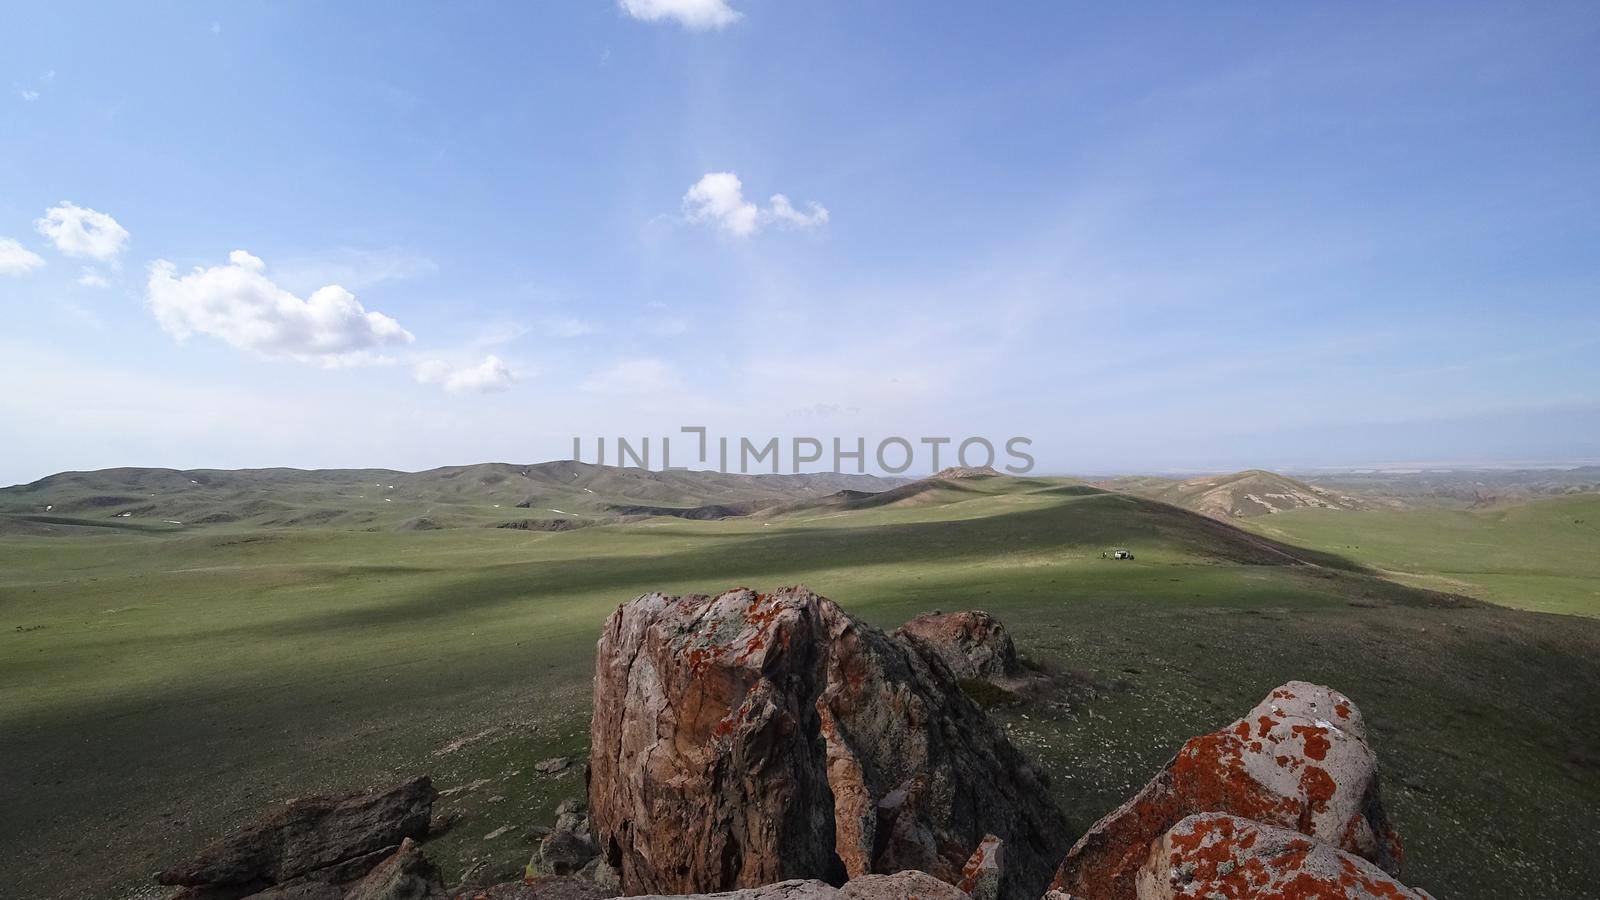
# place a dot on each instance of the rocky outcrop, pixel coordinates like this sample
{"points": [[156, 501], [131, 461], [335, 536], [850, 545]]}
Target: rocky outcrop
{"points": [[564, 887], [899, 886], [1298, 760], [310, 842], [980, 877], [746, 739], [1216, 855], [407, 875], [972, 643]]}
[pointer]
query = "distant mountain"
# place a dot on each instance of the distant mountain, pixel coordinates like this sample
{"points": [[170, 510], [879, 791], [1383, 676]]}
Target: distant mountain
{"points": [[1253, 492], [541, 496], [1474, 487]]}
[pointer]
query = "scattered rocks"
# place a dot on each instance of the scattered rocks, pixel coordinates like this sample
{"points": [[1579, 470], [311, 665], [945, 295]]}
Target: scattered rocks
{"points": [[1298, 760], [314, 839], [1217, 855], [724, 724], [972, 643]]}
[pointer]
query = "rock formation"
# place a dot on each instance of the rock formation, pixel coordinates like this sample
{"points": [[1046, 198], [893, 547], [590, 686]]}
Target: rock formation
{"points": [[747, 738], [980, 877], [1217, 855], [1298, 760], [407, 875], [899, 886], [310, 844], [972, 643]]}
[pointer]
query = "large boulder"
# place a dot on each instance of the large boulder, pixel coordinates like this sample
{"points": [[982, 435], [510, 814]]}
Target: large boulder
{"points": [[972, 643], [748, 738], [1216, 855], [1298, 760], [347, 834]]}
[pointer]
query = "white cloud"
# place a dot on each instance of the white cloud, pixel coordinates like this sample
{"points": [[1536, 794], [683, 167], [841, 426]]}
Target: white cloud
{"points": [[697, 15], [28, 95], [16, 259], [93, 278], [783, 212], [486, 377], [633, 377], [239, 305], [718, 198], [78, 231]]}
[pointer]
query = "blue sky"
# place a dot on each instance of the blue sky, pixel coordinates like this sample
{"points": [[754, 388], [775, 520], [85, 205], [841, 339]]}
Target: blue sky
{"points": [[1164, 238]]}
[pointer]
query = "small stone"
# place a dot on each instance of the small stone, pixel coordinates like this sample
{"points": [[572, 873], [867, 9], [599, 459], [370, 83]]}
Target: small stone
{"points": [[552, 765]]}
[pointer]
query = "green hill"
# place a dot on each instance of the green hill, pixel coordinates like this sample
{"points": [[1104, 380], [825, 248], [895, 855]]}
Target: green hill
{"points": [[171, 682], [487, 494]]}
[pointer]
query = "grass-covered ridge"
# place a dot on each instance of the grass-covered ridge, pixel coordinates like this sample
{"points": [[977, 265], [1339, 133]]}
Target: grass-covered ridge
{"points": [[163, 685]]}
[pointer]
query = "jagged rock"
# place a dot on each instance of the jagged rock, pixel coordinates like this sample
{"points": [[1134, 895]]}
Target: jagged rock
{"points": [[310, 834], [900, 886], [723, 726], [980, 877], [406, 875], [972, 643], [563, 853], [793, 889], [573, 816], [1215, 855], [564, 887], [1298, 760]]}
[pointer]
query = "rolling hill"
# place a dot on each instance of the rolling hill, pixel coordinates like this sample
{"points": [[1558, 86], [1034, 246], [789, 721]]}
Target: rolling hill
{"points": [[1253, 492], [538, 497]]}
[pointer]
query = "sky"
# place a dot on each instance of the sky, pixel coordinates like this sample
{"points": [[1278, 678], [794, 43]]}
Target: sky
{"points": [[1148, 238]]}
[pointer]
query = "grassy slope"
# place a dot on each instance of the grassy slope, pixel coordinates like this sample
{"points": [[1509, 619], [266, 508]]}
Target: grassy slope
{"points": [[172, 683], [1542, 555]]}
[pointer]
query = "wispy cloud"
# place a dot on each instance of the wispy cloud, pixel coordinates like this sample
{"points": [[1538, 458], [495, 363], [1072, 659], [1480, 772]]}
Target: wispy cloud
{"points": [[83, 232], [488, 376], [16, 259]]}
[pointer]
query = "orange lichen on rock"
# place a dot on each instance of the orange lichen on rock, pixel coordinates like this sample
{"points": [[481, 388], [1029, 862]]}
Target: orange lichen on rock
{"points": [[746, 738], [1213, 855], [1281, 764]]}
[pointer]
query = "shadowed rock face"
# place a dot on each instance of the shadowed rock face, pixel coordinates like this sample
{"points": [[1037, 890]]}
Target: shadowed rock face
{"points": [[347, 834], [1215, 855], [1298, 760], [972, 643], [747, 738]]}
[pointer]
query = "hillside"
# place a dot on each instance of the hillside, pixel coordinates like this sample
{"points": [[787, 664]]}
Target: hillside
{"points": [[540, 497], [223, 668], [1253, 492]]}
